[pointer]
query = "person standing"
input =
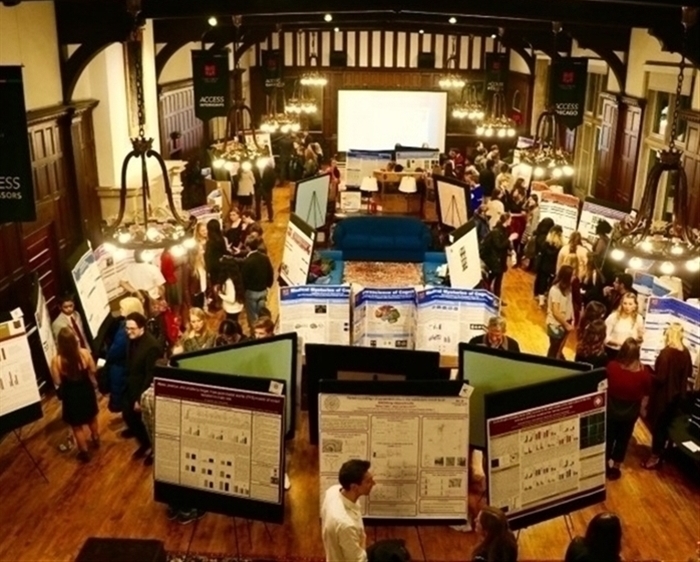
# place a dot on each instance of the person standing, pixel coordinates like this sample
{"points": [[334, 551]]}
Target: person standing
{"points": [[264, 193], [342, 529], [487, 178], [258, 277], [230, 289], [494, 253], [623, 323], [546, 262], [602, 542], [142, 275], [141, 356], [590, 347], [495, 336], [498, 543], [560, 312], [69, 317]]}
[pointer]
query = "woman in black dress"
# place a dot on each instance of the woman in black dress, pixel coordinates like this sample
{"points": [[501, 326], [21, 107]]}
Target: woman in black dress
{"points": [[73, 372]]}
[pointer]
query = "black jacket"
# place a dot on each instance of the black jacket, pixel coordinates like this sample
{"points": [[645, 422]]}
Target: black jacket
{"points": [[141, 357], [509, 344], [494, 250], [487, 180], [257, 272]]}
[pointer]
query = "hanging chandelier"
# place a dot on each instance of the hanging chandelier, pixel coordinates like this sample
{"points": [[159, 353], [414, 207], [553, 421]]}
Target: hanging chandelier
{"points": [[469, 108], [666, 247], [152, 228], [496, 123], [275, 120], [313, 78], [452, 80], [545, 157], [299, 104]]}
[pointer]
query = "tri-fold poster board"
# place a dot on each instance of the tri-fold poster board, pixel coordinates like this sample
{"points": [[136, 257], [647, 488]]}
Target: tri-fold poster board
{"points": [[384, 317], [298, 252], [90, 289], [416, 436], [362, 164]]}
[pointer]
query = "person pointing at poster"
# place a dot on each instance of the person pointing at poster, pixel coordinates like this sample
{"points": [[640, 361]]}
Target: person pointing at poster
{"points": [[343, 531]]}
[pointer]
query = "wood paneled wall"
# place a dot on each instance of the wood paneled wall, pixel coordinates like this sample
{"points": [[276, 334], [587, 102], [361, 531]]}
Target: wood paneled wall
{"points": [[380, 49], [65, 175], [691, 163], [519, 99], [176, 114]]}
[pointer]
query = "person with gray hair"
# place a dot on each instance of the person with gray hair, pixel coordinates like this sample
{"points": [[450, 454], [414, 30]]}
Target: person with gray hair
{"points": [[495, 336]]}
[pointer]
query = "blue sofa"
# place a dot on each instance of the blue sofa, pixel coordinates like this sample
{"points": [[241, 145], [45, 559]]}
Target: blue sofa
{"points": [[382, 238]]}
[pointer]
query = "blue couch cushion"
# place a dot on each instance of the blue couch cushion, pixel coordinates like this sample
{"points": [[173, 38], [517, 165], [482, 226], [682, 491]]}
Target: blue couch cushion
{"points": [[353, 240]]}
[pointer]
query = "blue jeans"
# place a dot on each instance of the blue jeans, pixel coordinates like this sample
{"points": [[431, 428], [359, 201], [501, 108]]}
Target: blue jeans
{"points": [[254, 301]]}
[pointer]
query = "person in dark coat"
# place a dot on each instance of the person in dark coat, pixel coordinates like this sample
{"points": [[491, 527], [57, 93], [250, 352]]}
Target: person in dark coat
{"points": [[495, 336], [487, 178], [602, 543], [263, 192], [142, 354], [116, 355], [546, 262], [494, 252]]}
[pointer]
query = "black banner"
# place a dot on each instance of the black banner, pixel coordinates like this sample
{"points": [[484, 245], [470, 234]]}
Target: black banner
{"points": [[16, 181], [272, 64], [568, 90], [212, 86], [496, 65]]}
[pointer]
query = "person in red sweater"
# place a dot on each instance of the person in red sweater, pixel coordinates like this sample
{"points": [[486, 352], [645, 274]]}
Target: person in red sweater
{"points": [[629, 384]]}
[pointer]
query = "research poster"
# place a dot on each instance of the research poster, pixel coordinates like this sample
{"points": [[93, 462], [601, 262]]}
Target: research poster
{"points": [[318, 314], [464, 261], [298, 252], [220, 440], [445, 317], [418, 447], [362, 164], [661, 312], [561, 208], [384, 318], [592, 214], [647, 285], [424, 159], [43, 326], [113, 267], [18, 386], [91, 291], [545, 456]]}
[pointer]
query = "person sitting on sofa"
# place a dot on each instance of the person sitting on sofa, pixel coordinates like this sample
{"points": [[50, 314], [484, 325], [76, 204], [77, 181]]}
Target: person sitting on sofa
{"points": [[495, 336]]}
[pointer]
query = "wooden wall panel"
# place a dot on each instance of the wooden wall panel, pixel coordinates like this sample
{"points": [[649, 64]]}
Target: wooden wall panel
{"points": [[691, 163], [629, 132], [176, 114], [519, 98], [606, 148]]}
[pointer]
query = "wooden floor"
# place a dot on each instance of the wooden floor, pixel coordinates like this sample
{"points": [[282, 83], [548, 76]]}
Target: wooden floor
{"points": [[112, 496]]}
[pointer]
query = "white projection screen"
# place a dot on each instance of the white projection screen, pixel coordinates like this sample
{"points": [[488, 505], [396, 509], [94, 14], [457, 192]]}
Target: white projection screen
{"points": [[378, 119]]}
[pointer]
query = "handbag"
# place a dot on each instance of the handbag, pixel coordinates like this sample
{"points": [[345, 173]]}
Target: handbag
{"points": [[556, 332]]}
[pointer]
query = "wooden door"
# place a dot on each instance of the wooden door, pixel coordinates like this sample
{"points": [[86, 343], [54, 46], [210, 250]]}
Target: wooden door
{"points": [[691, 164], [628, 150], [606, 149]]}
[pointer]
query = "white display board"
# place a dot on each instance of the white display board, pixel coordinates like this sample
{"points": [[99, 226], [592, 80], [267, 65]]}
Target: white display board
{"points": [[220, 440], [418, 447], [311, 200], [113, 265], [91, 291], [453, 203], [203, 214], [426, 160], [647, 285], [445, 317], [362, 164], [43, 326], [662, 311], [592, 214], [464, 261], [298, 252], [547, 455], [561, 208], [377, 119], [317, 313], [264, 140], [384, 317], [18, 384]]}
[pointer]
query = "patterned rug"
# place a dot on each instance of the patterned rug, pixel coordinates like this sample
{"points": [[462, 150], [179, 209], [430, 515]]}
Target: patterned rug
{"points": [[383, 274], [199, 557]]}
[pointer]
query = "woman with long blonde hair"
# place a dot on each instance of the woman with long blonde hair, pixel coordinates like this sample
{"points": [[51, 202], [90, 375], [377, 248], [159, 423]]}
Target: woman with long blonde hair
{"points": [[672, 371], [73, 373], [546, 262], [624, 323], [574, 247], [198, 336]]}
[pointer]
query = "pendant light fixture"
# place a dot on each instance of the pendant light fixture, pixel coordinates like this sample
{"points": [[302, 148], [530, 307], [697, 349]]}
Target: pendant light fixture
{"points": [[275, 120], [469, 107], [300, 103], [497, 124], [452, 80], [313, 78]]}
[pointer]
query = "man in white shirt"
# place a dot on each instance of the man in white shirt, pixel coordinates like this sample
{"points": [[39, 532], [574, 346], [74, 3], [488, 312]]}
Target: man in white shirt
{"points": [[143, 276], [341, 519]]}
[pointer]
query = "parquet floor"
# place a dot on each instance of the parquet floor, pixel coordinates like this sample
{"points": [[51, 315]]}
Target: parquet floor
{"points": [[112, 495]]}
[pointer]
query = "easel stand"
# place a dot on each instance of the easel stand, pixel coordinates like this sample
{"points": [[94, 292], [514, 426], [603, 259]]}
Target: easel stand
{"points": [[29, 454], [314, 211], [453, 212]]}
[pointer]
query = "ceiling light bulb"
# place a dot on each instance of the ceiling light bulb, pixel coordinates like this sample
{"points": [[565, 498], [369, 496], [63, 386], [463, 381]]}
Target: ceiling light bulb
{"points": [[229, 167], [452, 20], [246, 166], [501, 133], [152, 233], [488, 132], [328, 17], [109, 247], [511, 133], [212, 21], [479, 130], [617, 254], [493, 36], [667, 268], [693, 265], [538, 172], [557, 173], [636, 263], [189, 243], [336, 29], [178, 251], [218, 162], [147, 256], [421, 31], [568, 171], [646, 246], [676, 250], [124, 237]]}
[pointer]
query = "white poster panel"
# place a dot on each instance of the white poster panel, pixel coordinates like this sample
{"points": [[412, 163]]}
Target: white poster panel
{"points": [[91, 291], [646, 285], [18, 385], [220, 440], [362, 164], [263, 139], [418, 447], [43, 326], [464, 261], [592, 214], [317, 313], [561, 208], [426, 160], [311, 200], [387, 317], [298, 252], [113, 267], [445, 317], [452, 204], [661, 312], [547, 455]]}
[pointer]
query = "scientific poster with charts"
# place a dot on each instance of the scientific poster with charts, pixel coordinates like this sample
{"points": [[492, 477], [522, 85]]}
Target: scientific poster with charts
{"points": [[18, 385], [43, 325], [548, 455], [298, 252], [561, 208], [418, 447], [425, 159], [646, 285], [445, 317], [661, 312], [220, 440], [592, 214], [384, 318], [318, 314], [362, 164], [91, 291], [113, 267]]}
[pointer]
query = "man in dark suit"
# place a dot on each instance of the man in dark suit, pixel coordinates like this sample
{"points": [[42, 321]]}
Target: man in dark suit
{"points": [[142, 353], [487, 179], [495, 336], [263, 191]]}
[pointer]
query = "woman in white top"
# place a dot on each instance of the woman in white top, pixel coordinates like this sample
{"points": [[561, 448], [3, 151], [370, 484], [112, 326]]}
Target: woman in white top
{"points": [[495, 207], [623, 323], [574, 246], [230, 289], [560, 312], [246, 187], [198, 285]]}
